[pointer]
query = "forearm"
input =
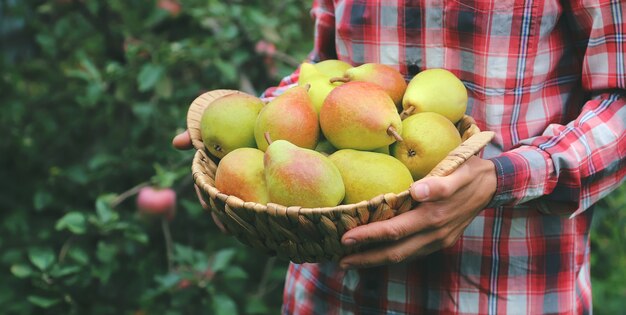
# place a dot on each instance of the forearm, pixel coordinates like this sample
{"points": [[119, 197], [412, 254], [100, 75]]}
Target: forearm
{"points": [[570, 166]]}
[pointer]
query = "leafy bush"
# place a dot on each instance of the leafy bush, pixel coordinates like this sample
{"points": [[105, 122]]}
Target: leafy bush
{"points": [[92, 93]]}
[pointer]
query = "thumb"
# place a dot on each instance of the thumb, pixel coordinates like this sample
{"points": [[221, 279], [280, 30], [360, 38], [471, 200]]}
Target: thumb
{"points": [[434, 188]]}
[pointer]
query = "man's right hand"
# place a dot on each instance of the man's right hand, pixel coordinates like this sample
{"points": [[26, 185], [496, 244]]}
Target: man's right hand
{"points": [[182, 141]]}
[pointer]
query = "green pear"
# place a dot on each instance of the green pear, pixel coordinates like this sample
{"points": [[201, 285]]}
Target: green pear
{"points": [[360, 115], [388, 78], [438, 91], [290, 116], [228, 123], [427, 139], [332, 67], [241, 173], [369, 174], [307, 71], [319, 88], [301, 177], [384, 150]]}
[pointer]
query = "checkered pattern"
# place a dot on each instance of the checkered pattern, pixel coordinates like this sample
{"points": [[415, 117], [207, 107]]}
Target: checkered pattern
{"points": [[549, 78]]}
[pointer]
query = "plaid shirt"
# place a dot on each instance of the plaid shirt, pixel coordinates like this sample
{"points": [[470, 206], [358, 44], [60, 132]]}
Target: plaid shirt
{"points": [[549, 78]]}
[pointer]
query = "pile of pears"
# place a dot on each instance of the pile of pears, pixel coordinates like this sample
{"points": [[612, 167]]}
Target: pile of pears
{"points": [[342, 135]]}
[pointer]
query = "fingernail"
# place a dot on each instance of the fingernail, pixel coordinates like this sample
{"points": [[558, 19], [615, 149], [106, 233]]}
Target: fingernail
{"points": [[421, 191], [345, 266], [349, 242]]}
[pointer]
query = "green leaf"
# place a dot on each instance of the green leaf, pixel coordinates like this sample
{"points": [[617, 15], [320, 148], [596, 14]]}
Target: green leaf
{"points": [[75, 222], [78, 255], [21, 271], [149, 75], [105, 213], [106, 252], [42, 301], [224, 305], [234, 272], [64, 271], [222, 259], [42, 199], [256, 305], [42, 258]]}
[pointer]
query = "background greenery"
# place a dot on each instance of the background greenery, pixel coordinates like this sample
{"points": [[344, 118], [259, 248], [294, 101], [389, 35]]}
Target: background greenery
{"points": [[91, 93]]}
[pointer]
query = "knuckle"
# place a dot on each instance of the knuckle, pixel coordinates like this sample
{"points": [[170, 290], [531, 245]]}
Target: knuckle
{"points": [[437, 219], [394, 232], [396, 257]]}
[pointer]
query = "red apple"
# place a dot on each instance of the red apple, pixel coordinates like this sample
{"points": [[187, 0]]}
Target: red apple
{"points": [[153, 201]]}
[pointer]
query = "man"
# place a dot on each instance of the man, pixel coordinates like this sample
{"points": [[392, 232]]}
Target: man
{"points": [[507, 233]]}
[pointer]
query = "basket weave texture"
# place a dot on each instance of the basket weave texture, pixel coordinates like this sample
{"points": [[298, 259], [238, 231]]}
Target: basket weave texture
{"points": [[305, 234]]}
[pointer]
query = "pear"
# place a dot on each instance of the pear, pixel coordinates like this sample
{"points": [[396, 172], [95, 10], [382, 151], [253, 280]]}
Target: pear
{"points": [[228, 123], [241, 173], [301, 177], [307, 70], [384, 150], [436, 90], [388, 78], [360, 115], [427, 139], [369, 174], [332, 67], [319, 88], [290, 116]]}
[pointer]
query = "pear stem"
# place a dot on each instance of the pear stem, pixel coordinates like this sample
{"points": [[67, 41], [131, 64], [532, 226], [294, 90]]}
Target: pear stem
{"points": [[267, 137], [307, 86], [339, 79], [394, 133], [407, 112]]}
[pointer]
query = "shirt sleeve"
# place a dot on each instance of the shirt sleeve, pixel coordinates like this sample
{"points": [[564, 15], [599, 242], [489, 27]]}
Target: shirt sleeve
{"points": [[570, 167], [323, 14]]}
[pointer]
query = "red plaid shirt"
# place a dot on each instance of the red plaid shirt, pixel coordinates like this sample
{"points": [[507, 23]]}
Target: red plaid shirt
{"points": [[549, 78]]}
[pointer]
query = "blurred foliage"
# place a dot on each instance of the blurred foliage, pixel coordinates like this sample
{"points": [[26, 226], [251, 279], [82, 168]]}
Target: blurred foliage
{"points": [[92, 93]]}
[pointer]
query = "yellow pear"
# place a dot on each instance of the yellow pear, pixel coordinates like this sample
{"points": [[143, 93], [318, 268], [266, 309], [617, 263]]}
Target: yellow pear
{"points": [[369, 174], [427, 139], [307, 71], [228, 122], [438, 91], [332, 67]]}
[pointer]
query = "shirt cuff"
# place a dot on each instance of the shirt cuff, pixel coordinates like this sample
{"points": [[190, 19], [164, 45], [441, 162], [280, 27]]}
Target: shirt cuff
{"points": [[523, 174]]}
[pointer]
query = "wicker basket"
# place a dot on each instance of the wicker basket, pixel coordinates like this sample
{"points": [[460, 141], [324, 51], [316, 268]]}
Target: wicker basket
{"points": [[305, 234]]}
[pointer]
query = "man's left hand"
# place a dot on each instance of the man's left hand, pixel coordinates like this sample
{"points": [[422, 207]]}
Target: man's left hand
{"points": [[447, 206]]}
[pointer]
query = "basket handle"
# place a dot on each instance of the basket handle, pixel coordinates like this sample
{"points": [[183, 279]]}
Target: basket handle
{"points": [[458, 156]]}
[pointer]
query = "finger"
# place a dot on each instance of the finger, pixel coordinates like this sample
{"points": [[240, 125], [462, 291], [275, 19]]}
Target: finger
{"points": [[393, 229], [439, 188], [415, 246], [182, 141]]}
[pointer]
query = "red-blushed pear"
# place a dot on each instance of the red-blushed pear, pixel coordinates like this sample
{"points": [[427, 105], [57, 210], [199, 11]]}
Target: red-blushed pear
{"points": [[388, 78], [301, 177], [360, 115], [290, 116], [228, 122], [427, 139], [369, 174], [438, 91], [241, 173]]}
